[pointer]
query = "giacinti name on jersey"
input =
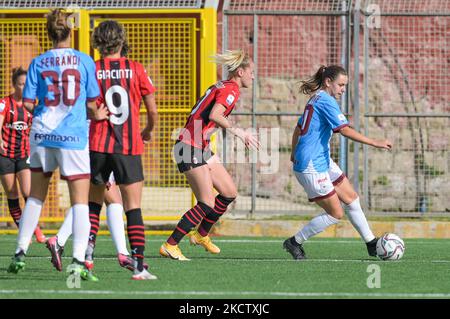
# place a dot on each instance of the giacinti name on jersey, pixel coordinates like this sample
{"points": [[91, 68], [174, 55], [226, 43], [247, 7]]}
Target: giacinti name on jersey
{"points": [[114, 74]]}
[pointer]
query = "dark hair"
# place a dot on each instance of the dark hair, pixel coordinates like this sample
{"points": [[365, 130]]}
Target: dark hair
{"points": [[57, 26], [316, 81], [16, 72], [108, 37]]}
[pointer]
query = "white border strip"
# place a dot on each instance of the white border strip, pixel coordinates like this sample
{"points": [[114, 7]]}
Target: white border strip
{"points": [[225, 293]]}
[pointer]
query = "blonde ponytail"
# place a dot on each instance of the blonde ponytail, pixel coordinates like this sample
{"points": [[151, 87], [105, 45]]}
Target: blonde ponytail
{"points": [[233, 59]]}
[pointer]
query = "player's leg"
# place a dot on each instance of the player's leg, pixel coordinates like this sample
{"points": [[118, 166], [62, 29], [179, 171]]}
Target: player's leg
{"points": [[226, 188], [75, 169], [100, 171], [42, 163], [114, 218], [23, 176], [319, 189], [191, 162], [12, 194], [200, 180], [56, 243], [129, 175], [30, 218], [355, 214]]}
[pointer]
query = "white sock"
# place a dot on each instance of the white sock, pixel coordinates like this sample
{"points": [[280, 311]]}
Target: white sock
{"points": [[114, 218], [66, 228], [359, 221], [317, 225], [81, 227], [28, 223]]}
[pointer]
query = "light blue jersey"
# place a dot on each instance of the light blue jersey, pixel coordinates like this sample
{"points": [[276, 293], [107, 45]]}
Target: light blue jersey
{"points": [[62, 80], [321, 118]]}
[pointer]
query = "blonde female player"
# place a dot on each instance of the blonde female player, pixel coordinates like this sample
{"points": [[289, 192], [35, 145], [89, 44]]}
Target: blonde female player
{"points": [[323, 181], [63, 80], [202, 168], [15, 124]]}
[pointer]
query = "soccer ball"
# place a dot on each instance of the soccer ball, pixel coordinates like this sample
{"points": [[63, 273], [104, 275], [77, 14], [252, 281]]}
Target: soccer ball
{"points": [[390, 247]]}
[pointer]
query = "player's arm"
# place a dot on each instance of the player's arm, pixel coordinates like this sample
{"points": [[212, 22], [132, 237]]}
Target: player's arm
{"points": [[358, 137], [31, 88], [217, 116], [295, 137], [97, 113], [2, 144], [29, 106], [152, 117]]}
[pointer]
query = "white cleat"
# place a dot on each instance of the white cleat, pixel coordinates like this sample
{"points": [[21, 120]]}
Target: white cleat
{"points": [[143, 275]]}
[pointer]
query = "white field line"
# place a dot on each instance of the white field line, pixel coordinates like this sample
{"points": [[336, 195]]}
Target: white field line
{"points": [[223, 293], [256, 259]]}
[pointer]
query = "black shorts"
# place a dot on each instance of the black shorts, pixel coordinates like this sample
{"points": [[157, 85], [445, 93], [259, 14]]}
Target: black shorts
{"points": [[188, 157], [13, 165], [127, 169]]}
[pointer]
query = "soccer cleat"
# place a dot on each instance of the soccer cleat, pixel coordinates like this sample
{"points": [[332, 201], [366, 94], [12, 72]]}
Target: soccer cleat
{"points": [[372, 247], [196, 239], [80, 270], [172, 251], [143, 275], [89, 256], [127, 262], [89, 264], [294, 248], [17, 264], [56, 251], [40, 237]]}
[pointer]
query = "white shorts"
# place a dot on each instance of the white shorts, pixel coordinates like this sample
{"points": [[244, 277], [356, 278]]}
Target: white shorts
{"points": [[321, 185], [73, 164], [111, 181]]}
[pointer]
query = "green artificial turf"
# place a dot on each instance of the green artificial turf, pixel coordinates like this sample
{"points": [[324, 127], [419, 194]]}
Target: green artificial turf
{"points": [[250, 268]]}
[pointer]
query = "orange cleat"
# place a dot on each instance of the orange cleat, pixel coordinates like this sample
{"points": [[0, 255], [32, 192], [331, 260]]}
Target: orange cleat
{"points": [[40, 237]]}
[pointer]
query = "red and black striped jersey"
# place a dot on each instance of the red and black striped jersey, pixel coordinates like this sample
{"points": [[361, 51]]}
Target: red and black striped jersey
{"points": [[199, 128], [122, 83], [15, 129]]}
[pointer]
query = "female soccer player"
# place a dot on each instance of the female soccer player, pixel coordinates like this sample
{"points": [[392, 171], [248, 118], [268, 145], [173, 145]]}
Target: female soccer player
{"points": [[323, 181], [63, 80], [116, 145], [15, 123], [202, 168]]}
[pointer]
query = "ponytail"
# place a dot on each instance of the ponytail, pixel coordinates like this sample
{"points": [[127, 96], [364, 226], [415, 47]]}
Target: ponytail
{"points": [[233, 60], [315, 82]]}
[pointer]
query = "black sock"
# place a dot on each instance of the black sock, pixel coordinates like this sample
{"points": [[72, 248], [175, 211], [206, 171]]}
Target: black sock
{"points": [[136, 236], [94, 218], [14, 210], [189, 220], [220, 207]]}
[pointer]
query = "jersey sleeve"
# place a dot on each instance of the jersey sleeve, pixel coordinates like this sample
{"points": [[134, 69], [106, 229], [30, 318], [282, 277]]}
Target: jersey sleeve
{"points": [[225, 97], [333, 116], [3, 107], [145, 83], [31, 84], [92, 90], [299, 122]]}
